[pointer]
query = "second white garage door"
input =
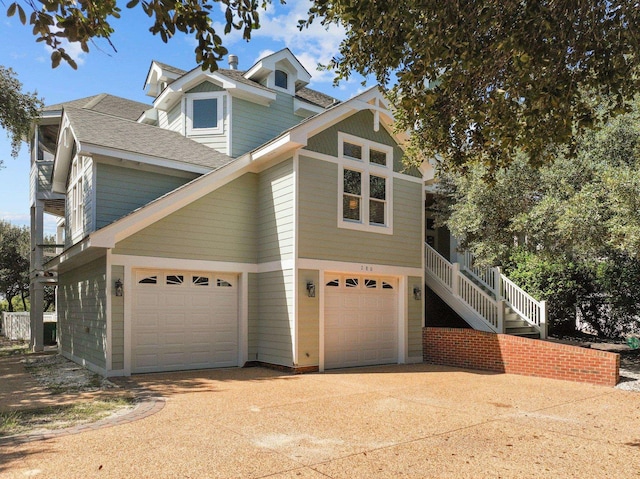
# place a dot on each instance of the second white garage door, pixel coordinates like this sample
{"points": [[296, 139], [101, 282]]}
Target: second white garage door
{"points": [[184, 320], [360, 321]]}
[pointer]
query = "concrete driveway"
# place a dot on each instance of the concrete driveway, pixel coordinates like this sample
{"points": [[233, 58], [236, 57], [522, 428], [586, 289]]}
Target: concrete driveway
{"points": [[396, 421]]}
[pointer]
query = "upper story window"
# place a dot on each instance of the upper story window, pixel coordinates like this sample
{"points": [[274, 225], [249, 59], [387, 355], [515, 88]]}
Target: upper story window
{"points": [[204, 113], [281, 79], [76, 195], [366, 170]]}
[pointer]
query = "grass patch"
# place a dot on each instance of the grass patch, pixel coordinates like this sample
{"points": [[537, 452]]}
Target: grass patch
{"points": [[13, 348], [58, 417]]}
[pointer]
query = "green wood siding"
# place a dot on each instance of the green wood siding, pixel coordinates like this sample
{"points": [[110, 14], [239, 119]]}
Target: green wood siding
{"points": [[275, 217], [254, 125], [320, 238], [308, 319], [415, 317], [205, 86], [221, 226], [360, 125], [82, 312], [276, 316], [117, 323], [172, 119], [121, 190]]}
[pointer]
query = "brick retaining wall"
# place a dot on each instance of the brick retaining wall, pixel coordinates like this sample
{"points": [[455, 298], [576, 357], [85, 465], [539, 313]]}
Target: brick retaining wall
{"points": [[468, 348]]}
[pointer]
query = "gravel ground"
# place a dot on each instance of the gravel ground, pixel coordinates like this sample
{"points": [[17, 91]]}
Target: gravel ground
{"points": [[630, 370], [58, 374]]}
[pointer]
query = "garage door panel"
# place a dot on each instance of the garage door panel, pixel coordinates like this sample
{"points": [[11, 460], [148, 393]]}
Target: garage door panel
{"points": [[184, 326], [360, 322]]}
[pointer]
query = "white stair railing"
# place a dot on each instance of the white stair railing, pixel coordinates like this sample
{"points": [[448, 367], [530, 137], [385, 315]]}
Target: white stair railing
{"points": [[464, 289], [438, 266], [486, 276], [532, 311], [478, 300], [487, 305]]}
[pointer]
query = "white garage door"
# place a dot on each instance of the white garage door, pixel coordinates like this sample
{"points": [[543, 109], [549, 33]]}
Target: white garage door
{"points": [[360, 321], [184, 320]]}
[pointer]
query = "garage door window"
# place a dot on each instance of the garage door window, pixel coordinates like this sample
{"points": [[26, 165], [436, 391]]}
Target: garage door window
{"points": [[370, 283], [351, 282], [334, 282], [149, 280], [175, 279], [200, 280], [223, 283]]}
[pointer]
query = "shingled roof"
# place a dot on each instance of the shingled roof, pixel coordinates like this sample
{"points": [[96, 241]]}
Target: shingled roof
{"points": [[100, 129], [306, 94], [107, 104]]}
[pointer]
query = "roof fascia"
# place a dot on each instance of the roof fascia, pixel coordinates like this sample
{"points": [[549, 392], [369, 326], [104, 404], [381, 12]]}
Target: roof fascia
{"points": [[156, 68], [305, 106], [268, 64], [70, 256], [196, 76], [62, 159], [90, 149]]}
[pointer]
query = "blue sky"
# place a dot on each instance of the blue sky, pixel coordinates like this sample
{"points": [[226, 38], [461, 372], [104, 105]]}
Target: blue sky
{"points": [[123, 73]]}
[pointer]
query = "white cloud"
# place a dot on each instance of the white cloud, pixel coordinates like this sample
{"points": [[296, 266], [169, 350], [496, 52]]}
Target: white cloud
{"points": [[74, 50], [313, 45], [262, 54]]}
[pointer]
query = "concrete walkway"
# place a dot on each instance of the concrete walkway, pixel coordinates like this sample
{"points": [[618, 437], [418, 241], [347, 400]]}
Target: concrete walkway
{"points": [[395, 421]]}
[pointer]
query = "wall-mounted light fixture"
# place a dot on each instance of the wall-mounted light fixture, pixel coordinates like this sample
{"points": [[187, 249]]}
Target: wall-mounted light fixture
{"points": [[311, 289], [417, 293], [118, 286]]}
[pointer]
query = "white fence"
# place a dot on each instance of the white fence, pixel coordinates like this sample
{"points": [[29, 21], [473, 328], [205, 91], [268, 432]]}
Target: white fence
{"points": [[17, 326]]}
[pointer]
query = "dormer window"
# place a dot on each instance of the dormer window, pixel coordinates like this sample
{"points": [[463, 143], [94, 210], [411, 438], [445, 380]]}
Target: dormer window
{"points": [[204, 113], [281, 79]]}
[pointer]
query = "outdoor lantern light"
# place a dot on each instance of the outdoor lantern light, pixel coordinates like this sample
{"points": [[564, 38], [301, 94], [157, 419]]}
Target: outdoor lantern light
{"points": [[417, 293], [118, 287], [311, 289]]}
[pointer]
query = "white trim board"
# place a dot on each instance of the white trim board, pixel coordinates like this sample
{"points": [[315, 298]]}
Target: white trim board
{"points": [[332, 159], [199, 265], [360, 268]]}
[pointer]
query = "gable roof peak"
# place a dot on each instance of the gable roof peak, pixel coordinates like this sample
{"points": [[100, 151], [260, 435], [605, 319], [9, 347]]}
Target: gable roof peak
{"points": [[269, 63]]}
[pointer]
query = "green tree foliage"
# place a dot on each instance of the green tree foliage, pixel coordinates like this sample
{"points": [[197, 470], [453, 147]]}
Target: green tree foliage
{"points": [[14, 262], [567, 230], [17, 109], [82, 21], [480, 80]]}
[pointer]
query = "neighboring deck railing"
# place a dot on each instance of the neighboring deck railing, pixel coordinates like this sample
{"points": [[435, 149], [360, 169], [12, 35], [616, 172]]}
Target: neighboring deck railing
{"points": [[486, 291]]}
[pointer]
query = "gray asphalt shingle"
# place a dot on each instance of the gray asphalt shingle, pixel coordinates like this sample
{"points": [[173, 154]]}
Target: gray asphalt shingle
{"points": [[107, 104], [108, 131]]}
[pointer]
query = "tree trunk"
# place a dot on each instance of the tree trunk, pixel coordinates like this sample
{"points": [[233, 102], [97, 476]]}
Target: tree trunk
{"points": [[10, 305], [24, 302]]}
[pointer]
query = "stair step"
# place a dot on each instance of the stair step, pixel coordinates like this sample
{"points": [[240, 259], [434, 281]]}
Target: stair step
{"points": [[516, 323], [521, 330]]}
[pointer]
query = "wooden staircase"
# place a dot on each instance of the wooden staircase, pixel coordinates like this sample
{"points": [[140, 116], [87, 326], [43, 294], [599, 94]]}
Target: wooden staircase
{"points": [[485, 298]]}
